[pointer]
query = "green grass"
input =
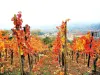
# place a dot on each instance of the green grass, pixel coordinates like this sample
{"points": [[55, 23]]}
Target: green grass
{"points": [[86, 73]]}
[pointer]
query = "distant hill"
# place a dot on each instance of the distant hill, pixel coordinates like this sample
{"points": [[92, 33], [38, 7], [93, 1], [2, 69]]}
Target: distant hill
{"points": [[95, 26], [83, 27], [74, 27]]}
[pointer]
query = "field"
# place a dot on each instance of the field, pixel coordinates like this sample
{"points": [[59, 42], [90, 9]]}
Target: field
{"points": [[23, 53]]}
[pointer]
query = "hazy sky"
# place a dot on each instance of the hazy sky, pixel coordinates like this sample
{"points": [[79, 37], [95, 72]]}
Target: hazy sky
{"points": [[41, 13]]}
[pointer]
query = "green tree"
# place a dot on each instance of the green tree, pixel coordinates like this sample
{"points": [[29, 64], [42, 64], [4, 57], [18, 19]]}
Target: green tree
{"points": [[47, 40]]}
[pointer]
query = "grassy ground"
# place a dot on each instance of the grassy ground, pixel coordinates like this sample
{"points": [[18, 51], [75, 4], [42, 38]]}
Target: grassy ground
{"points": [[48, 65]]}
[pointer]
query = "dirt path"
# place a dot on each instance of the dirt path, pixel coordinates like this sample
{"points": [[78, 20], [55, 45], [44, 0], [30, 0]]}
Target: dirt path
{"points": [[49, 66], [80, 68]]}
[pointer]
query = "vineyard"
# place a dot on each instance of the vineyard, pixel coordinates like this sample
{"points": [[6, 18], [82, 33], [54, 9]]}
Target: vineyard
{"points": [[22, 53]]}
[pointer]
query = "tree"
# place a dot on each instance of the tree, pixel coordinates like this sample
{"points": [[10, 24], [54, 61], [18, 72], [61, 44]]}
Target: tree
{"points": [[47, 40]]}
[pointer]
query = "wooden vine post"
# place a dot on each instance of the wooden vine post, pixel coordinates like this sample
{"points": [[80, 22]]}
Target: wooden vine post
{"points": [[27, 39], [65, 49], [16, 32]]}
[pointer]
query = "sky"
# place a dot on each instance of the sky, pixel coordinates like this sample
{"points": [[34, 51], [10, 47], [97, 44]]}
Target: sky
{"points": [[46, 13]]}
